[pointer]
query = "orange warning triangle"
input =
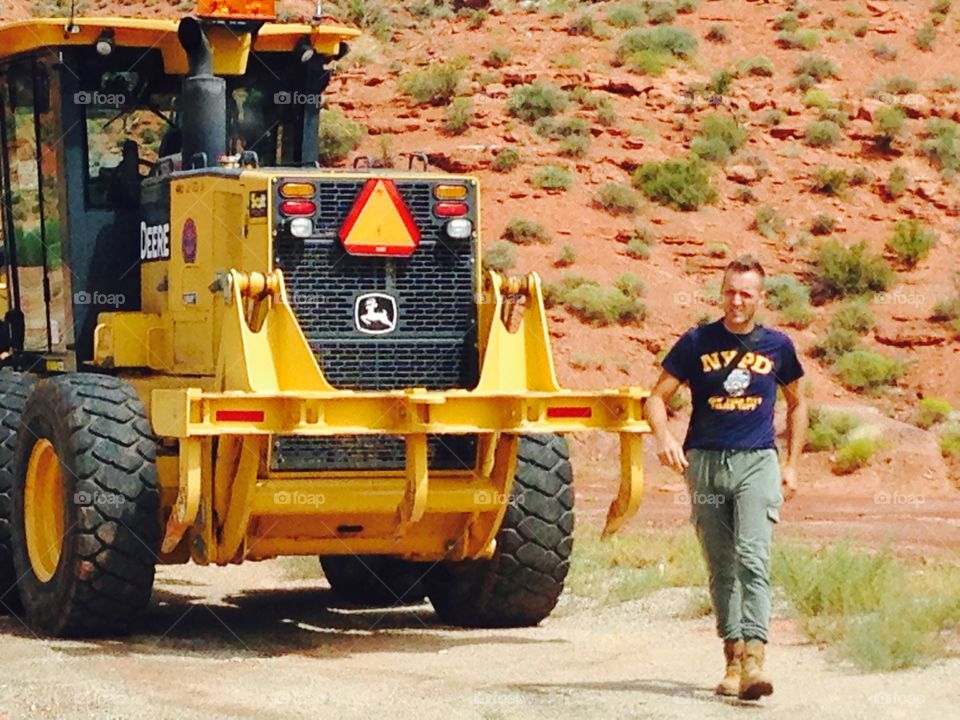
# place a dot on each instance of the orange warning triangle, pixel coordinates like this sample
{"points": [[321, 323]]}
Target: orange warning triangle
{"points": [[380, 222]]}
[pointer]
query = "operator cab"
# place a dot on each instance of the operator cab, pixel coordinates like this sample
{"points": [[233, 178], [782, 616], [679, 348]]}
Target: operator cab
{"points": [[92, 123]]}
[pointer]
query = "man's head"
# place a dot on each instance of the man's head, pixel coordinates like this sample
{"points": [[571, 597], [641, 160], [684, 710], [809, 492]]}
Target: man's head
{"points": [[742, 292]]}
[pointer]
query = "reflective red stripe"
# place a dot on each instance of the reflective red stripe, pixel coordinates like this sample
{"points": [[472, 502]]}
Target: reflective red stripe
{"points": [[569, 412], [240, 415]]}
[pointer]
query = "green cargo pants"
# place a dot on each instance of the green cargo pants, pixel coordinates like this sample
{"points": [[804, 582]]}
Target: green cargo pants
{"points": [[735, 497]]}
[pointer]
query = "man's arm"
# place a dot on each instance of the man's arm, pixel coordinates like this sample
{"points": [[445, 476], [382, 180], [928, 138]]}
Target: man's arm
{"points": [[796, 435], [669, 450]]}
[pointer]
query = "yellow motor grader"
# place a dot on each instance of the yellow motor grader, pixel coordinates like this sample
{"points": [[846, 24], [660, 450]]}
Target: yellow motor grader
{"points": [[216, 350]]}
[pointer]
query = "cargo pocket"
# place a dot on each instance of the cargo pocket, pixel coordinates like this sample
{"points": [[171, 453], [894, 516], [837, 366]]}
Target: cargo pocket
{"points": [[773, 513]]}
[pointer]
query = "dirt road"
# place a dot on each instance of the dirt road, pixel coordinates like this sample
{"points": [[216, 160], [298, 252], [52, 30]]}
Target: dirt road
{"points": [[250, 641]]}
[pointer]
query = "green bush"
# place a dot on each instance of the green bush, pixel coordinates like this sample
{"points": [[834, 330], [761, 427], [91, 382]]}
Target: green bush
{"points": [[720, 82], [522, 231], [552, 177], [537, 100], [851, 270], [948, 83], [854, 454], [932, 411], [682, 184], [788, 22], [861, 176], [718, 33], [663, 39], [583, 24], [638, 246], [718, 250], [617, 198], [896, 184], [498, 57], [630, 285], [768, 222], [861, 29], [624, 16], [500, 255], [925, 36], [593, 302], [575, 146], [823, 133], [818, 67], [900, 85], [759, 66], [660, 12], [815, 97], [884, 51], [434, 85], [830, 181], [868, 371], [339, 136], [720, 136], [854, 315], [458, 116], [941, 147], [950, 440], [827, 429], [888, 123], [568, 256], [506, 160], [836, 343], [772, 118], [911, 241], [685, 7], [806, 39], [791, 298], [553, 128], [822, 224]]}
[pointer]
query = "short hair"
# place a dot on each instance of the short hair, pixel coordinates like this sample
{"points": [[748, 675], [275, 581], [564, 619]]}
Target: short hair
{"points": [[746, 263]]}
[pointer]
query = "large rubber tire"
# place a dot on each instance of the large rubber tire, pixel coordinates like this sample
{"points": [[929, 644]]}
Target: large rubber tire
{"points": [[521, 584], [14, 388], [103, 578], [375, 580]]}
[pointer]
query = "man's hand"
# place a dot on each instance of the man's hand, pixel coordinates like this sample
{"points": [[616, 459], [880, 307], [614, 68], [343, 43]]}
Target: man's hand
{"points": [[670, 453], [788, 476]]}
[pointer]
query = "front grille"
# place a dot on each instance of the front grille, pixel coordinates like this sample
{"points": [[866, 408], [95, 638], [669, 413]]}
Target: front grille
{"points": [[433, 345]]}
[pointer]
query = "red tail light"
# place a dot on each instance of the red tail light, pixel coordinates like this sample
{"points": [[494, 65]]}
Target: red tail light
{"points": [[298, 207], [450, 209]]}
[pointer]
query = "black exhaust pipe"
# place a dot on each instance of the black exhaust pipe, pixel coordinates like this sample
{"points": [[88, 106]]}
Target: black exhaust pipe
{"points": [[203, 102]]}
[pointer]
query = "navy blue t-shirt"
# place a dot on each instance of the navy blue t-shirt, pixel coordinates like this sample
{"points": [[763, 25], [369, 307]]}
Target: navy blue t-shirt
{"points": [[732, 407]]}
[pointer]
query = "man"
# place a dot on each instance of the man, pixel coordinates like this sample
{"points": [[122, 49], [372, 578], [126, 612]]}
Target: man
{"points": [[733, 367]]}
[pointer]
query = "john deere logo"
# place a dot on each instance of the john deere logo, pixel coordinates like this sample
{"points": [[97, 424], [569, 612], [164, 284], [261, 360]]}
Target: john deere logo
{"points": [[375, 314]]}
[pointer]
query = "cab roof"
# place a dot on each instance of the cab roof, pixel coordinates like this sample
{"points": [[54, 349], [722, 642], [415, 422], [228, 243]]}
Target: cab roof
{"points": [[231, 48]]}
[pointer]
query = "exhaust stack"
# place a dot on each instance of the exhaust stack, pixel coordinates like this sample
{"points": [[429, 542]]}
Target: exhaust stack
{"points": [[203, 100]]}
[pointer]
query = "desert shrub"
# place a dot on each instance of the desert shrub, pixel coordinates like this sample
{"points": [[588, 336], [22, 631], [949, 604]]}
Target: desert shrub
{"points": [[925, 36], [718, 33], [522, 231], [948, 83], [884, 51], [787, 21], [630, 285], [663, 40], [537, 100], [853, 315], [868, 371], [806, 39], [555, 129], [888, 124], [498, 57], [896, 184], [720, 82], [500, 255], [685, 7], [828, 429], [723, 129], [434, 85], [552, 177], [593, 302], [372, 16], [818, 67], [830, 181], [815, 97], [759, 66], [851, 270], [836, 343], [575, 146], [617, 198], [768, 221], [948, 311], [861, 29], [582, 24], [660, 12], [861, 176], [774, 117], [717, 250], [624, 16], [950, 440], [339, 136], [682, 184], [567, 257], [941, 146], [932, 411], [786, 294], [506, 160], [822, 133], [900, 85], [822, 224], [855, 453], [458, 116], [911, 241]]}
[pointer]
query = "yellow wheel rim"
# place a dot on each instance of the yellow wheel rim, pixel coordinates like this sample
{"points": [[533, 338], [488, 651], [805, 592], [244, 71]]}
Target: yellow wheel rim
{"points": [[43, 510]]}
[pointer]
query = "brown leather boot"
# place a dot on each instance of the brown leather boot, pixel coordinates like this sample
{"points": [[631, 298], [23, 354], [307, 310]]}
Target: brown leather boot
{"points": [[754, 683], [733, 652]]}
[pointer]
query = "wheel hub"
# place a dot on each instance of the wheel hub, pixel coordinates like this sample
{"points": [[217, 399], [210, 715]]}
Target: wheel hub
{"points": [[43, 509]]}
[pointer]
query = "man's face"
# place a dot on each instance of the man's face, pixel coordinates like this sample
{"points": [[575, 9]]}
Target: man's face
{"points": [[742, 296]]}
